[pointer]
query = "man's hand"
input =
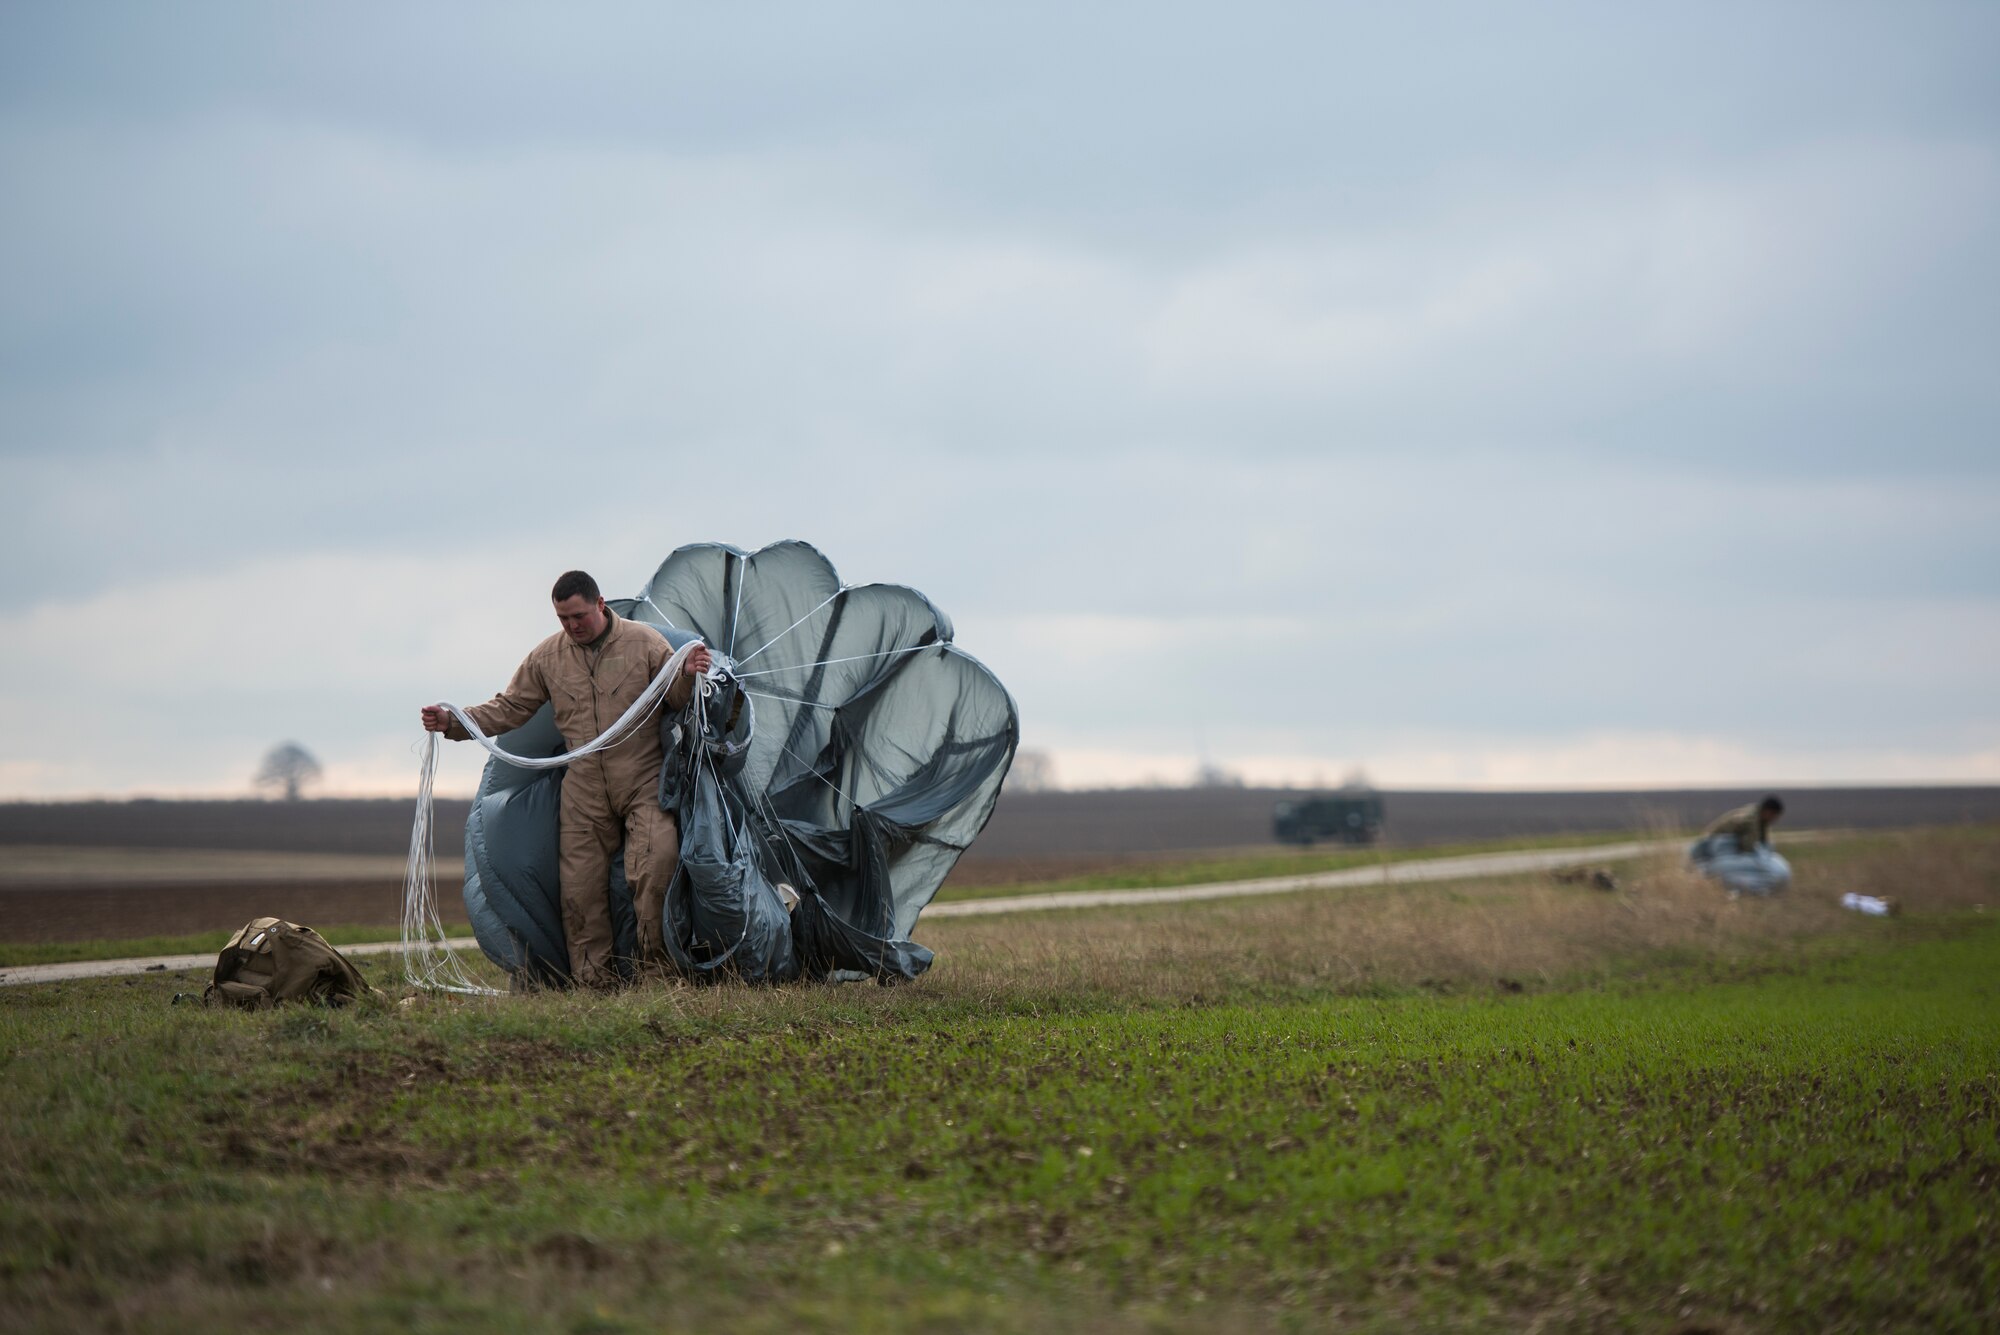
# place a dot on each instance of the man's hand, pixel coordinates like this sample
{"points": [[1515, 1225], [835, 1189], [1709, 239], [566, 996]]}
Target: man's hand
{"points": [[698, 661], [436, 718]]}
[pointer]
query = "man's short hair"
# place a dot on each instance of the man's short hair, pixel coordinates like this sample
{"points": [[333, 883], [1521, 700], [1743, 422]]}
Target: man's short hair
{"points": [[574, 584], [1772, 804]]}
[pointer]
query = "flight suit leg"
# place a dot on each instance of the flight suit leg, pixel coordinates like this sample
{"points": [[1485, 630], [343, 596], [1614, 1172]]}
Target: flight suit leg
{"points": [[589, 833], [652, 855]]}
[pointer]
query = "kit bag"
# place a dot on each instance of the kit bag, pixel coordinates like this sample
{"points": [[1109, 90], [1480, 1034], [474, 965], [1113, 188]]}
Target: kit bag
{"points": [[271, 960]]}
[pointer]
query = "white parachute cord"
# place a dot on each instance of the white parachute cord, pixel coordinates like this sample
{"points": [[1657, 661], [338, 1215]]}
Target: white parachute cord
{"points": [[760, 801], [771, 814], [852, 658], [704, 689], [627, 723], [817, 775], [789, 629], [647, 594], [793, 700], [429, 961]]}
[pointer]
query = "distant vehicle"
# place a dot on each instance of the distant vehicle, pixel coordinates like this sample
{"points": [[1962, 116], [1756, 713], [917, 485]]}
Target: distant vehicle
{"points": [[1345, 817]]}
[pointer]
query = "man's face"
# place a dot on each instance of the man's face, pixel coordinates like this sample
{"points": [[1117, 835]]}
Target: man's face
{"points": [[583, 619]]}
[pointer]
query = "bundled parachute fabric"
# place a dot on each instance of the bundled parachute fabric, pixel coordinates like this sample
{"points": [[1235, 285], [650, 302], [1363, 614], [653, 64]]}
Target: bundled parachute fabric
{"points": [[1761, 871], [842, 751]]}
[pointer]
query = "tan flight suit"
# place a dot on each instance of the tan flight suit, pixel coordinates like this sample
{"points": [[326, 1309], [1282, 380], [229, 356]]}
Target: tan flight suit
{"points": [[611, 795], [1747, 824]]}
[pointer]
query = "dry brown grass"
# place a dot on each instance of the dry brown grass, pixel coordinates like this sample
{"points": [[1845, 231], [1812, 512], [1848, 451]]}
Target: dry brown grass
{"points": [[1504, 933], [1521, 932]]}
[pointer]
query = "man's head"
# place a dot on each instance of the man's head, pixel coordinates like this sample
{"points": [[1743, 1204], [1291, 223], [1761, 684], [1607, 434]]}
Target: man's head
{"points": [[580, 607], [1770, 809]]}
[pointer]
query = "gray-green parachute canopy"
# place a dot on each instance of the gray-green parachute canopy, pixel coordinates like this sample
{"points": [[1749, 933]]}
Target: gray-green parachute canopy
{"points": [[843, 747]]}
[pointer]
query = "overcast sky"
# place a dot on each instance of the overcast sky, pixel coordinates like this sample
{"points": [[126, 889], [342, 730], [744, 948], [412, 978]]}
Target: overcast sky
{"points": [[1488, 395]]}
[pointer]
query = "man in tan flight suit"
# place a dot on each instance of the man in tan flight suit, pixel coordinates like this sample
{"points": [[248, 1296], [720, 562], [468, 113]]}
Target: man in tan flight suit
{"points": [[593, 670]]}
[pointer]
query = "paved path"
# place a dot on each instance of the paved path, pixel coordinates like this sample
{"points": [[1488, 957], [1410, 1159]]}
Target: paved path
{"points": [[1387, 873], [1382, 873], [56, 973]]}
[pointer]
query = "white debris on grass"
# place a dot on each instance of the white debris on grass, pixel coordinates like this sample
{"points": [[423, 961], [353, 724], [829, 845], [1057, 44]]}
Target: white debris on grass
{"points": [[1880, 906]]}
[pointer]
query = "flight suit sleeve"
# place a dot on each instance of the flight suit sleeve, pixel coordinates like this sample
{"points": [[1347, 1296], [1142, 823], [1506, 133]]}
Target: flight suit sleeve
{"points": [[515, 705]]}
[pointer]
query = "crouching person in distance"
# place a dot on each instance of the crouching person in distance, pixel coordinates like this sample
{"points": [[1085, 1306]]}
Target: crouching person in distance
{"points": [[1736, 850], [593, 669]]}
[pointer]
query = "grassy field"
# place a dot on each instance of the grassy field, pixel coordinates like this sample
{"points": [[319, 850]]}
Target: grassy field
{"points": [[1494, 1104]]}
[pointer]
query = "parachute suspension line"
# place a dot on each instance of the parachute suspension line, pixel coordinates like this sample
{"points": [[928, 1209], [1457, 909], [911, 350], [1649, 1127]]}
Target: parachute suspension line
{"points": [[429, 961], [703, 690], [793, 700], [789, 629], [821, 777], [647, 594], [828, 662], [627, 723], [656, 707], [769, 815], [761, 807], [758, 806]]}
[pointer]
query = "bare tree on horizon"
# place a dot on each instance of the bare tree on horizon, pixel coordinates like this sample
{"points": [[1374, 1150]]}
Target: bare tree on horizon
{"points": [[288, 766]]}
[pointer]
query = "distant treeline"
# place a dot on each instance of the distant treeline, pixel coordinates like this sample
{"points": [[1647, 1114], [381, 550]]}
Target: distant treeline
{"points": [[326, 825], [1028, 825]]}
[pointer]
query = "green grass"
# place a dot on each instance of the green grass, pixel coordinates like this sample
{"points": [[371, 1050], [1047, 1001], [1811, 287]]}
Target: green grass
{"points": [[1804, 1138]]}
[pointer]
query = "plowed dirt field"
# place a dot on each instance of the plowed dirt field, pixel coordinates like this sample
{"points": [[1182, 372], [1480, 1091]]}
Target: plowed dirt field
{"points": [[100, 870]]}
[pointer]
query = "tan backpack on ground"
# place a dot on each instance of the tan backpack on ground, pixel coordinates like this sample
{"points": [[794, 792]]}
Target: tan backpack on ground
{"points": [[271, 960]]}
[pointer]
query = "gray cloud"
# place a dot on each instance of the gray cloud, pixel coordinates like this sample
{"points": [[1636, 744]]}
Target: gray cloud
{"points": [[1465, 369]]}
